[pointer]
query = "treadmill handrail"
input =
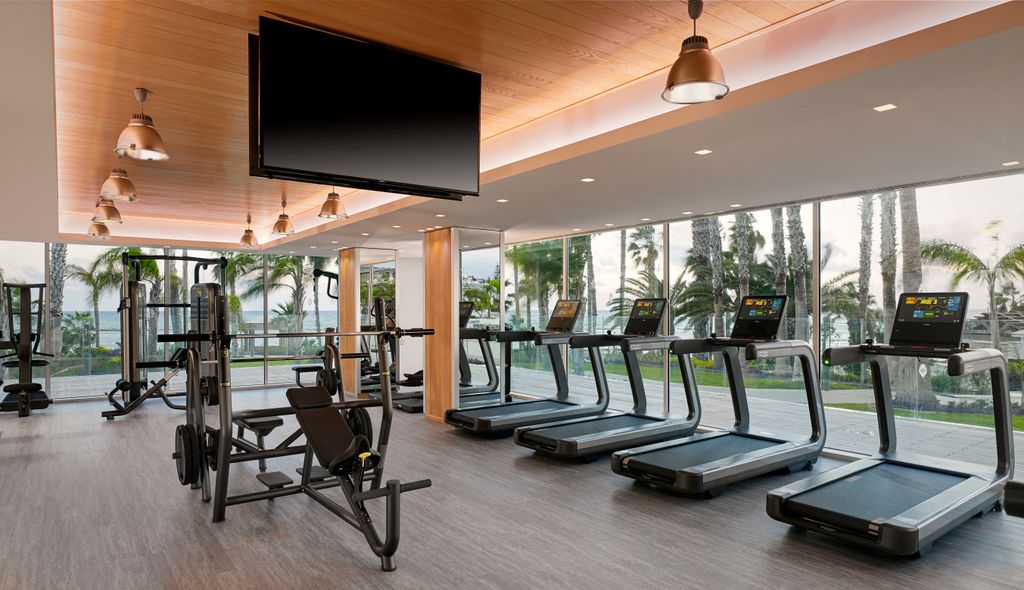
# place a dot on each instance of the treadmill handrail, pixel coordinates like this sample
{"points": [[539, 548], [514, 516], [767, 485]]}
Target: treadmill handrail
{"points": [[777, 348], [593, 341], [642, 343], [516, 336], [477, 334], [975, 361], [555, 338]]}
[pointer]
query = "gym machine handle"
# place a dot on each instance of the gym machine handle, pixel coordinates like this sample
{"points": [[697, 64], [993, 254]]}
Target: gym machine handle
{"points": [[413, 332], [184, 338], [381, 492], [776, 349], [172, 305], [975, 361], [593, 341], [641, 343]]}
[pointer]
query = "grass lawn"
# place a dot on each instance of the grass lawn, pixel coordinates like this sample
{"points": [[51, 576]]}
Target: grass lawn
{"points": [[951, 417]]}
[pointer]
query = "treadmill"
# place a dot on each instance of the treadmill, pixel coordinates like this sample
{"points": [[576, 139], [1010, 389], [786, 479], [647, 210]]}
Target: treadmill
{"points": [[505, 417], [612, 431], [470, 393], [898, 502], [703, 464]]}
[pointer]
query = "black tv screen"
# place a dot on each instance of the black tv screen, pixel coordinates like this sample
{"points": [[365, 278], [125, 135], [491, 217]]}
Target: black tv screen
{"points": [[334, 110]]}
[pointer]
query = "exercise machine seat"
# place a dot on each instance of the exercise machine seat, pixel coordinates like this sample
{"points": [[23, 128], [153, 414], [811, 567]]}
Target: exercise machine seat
{"points": [[35, 363], [337, 448], [23, 387], [261, 426]]}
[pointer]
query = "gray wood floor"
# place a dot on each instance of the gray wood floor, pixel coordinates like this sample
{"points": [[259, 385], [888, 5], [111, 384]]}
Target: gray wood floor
{"points": [[95, 504]]}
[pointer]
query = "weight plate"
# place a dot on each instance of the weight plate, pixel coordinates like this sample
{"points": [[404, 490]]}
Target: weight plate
{"points": [[359, 421], [328, 380], [186, 454]]}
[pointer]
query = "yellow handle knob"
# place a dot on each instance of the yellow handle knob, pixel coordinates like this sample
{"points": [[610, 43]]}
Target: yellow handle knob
{"points": [[363, 457]]}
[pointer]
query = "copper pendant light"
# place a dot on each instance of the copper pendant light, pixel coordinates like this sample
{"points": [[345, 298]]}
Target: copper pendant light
{"points": [[139, 140], [248, 237], [283, 226], [117, 186], [696, 76], [333, 207], [98, 231], [106, 212]]}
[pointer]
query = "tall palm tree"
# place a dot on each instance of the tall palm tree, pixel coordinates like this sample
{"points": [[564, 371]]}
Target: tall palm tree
{"points": [[910, 236], [867, 211], [58, 274], [98, 278], [887, 261], [149, 274], [622, 269], [742, 229], [967, 266], [77, 329], [798, 264], [644, 247]]}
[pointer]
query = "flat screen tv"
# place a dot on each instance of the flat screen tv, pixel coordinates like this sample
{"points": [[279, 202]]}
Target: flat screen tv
{"points": [[335, 110]]}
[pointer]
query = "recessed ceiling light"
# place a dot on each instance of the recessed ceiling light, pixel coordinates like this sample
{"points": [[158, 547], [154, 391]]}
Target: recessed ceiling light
{"points": [[437, 227], [687, 212], [291, 251], [334, 241], [502, 200], [736, 205], [885, 107], [397, 226], [576, 229], [312, 247], [645, 219], [487, 243], [588, 179], [421, 230], [702, 152], [364, 234], [609, 225], [1011, 163], [439, 215]]}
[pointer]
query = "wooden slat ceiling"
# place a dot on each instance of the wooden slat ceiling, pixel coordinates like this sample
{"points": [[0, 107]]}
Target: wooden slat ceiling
{"points": [[536, 58]]}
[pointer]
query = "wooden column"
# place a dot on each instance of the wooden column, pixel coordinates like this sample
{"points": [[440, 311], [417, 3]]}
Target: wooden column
{"points": [[440, 312], [348, 314]]}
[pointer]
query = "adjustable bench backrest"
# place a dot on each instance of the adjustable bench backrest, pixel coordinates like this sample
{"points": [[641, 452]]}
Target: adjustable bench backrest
{"points": [[327, 432]]}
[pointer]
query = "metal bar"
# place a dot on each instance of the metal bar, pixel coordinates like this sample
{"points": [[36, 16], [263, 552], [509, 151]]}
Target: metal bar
{"points": [[306, 335], [250, 455], [670, 320], [816, 280]]}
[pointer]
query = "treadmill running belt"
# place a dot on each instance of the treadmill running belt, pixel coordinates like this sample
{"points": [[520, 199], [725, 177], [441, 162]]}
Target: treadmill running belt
{"points": [[512, 408], [586, 427], [666, 462], [883, 491]]}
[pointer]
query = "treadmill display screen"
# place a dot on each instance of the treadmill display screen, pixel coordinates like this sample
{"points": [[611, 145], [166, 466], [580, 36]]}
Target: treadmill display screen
{"points": [[935, 319], [759, 317], [563, 317], [645, 319], [465, 312]]}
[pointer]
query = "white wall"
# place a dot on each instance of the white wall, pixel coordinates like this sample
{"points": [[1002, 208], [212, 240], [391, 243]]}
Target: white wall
{"points": [[28, 128], [409, 305]]}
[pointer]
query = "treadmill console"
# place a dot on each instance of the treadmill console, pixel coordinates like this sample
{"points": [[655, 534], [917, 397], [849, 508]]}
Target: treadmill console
{"points": [[645, 319], [935, 319], [563, 317], [465, 312], [759, 317]]}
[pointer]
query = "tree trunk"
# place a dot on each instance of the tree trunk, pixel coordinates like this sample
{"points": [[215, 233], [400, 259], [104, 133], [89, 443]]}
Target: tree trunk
{"points": [[798, 263], [155, 296], [864, 274], [96, 318], [58, 273], [515, 291], [623, 314], [717, 273], [911, 237], [175, 294], [742, 237], [778, 262], [887, 243], [993, 310]]}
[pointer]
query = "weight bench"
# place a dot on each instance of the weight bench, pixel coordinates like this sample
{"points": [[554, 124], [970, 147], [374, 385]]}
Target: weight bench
{"points": [[350, 458]]}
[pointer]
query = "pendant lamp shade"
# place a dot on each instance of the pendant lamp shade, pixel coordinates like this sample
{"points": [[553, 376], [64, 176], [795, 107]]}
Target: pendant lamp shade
{"points": [[98, 231], [333, 208], [248, 237], [117, 187], [283, 226], [106, 213], [139, 140], [696, 76]]}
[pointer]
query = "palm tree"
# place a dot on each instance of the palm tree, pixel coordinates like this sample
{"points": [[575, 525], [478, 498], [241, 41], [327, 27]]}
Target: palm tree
{"points": [[58, 274], [622, 268], [648, 284], [742, 244], [910, 234], [644, 247], [887, 243], [149, 273], [98, 279], [77, 329], [798, 264], [777, 259], [864, 273], [967, 266]]}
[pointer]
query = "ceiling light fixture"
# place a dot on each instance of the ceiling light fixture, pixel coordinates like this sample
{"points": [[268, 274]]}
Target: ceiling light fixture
{"points": [[687, 212], [364, 234], [645, 219], [588, 179], [576, 229], [439, 215], [885, 107], [283, 226], [696, 76], [421, 230], [333, 208], [1011, 163], [334, 241], [98, 231], [438, 226], [248, 237], [106, 212], [397, 226], [117, 187], [139, 140], [609, 225], [702, 152], [502, 200], [736, 205]]}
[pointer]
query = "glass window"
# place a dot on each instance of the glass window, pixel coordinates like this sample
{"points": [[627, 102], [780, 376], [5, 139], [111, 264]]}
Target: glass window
{"points": [[715, 261], [879, 245], [533, 283], [23, 262], [609, 271]]}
